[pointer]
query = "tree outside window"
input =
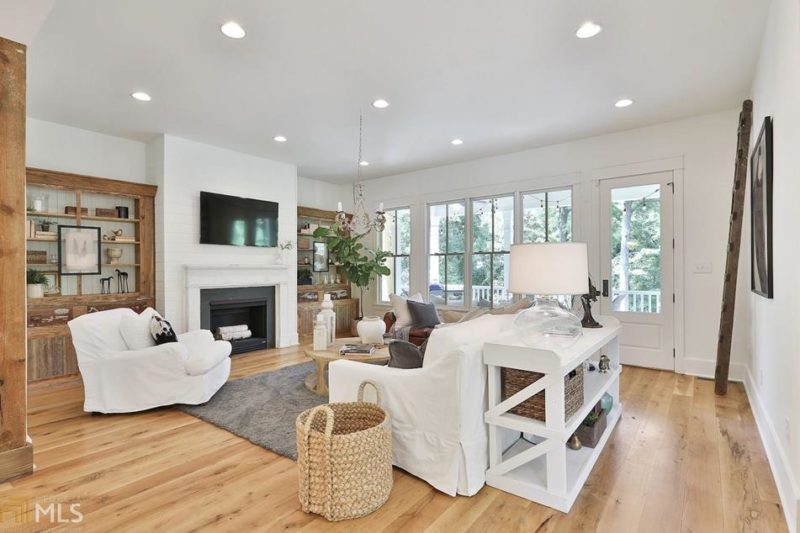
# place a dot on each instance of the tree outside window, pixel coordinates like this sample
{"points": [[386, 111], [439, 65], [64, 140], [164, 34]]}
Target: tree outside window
{"points": [[492, 235], [447, 245], [547, 216], [396, 239]]}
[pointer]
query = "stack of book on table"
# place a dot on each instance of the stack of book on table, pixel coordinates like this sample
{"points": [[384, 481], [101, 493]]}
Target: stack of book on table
{"points": [[357, 349]]}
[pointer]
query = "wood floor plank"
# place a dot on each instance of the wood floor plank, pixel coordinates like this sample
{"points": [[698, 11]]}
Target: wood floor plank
{"points": [[680, 459]]}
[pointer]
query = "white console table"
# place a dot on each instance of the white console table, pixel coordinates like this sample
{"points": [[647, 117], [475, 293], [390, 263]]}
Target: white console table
{"points": [[547, 472]]}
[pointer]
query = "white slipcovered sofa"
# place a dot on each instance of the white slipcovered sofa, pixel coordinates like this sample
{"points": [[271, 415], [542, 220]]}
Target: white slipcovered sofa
{"points": [[117, 379], [438, 432]]}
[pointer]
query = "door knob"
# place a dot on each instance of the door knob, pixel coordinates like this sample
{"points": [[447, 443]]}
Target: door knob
{"points": [[605, 288]]}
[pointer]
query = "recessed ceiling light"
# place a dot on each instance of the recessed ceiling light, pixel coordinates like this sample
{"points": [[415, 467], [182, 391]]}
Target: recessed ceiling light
{"points": [[364, 163], [456, 142], [588, 29], [279, 139], [233, 30], [141, 96], [625, 102], [380, 103]]}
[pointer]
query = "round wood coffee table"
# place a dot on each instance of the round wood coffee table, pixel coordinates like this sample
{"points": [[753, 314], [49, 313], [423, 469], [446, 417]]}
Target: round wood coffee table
{"points": [[318, 381]]}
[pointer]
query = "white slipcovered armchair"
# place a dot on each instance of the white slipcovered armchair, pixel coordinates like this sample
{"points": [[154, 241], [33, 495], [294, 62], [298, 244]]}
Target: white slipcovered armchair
{"points": [[438, 432], [118, 379]]}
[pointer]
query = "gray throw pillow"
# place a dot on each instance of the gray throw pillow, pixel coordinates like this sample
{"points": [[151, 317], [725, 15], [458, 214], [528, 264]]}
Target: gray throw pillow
{"points": [[423, 315], [403, 354]]}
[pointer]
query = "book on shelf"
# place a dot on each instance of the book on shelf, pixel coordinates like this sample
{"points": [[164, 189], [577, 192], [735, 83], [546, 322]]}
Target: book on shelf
{"points": [[357, 349], [125, 239]]}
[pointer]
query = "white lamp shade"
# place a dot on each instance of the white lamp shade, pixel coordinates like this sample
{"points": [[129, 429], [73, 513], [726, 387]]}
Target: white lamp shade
{"points": [[549, 268]]}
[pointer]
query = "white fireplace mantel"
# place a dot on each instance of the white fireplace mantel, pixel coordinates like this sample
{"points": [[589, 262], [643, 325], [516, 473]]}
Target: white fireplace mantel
{"points": [[209, 276]]}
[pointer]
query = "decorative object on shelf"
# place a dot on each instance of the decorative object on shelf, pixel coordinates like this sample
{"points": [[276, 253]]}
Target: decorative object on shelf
{"points": [[587, 299], [122, 281], [105, 285], [47, 225], [329, 317], [574, 442], [305, 229], [592, 427], [320, 333], [308, 297], [52, 285], [105, 212], [546, 271], [283, 247], [371, 330], [304, 277], [607, 402], [115, 235], [361, 265], [113, 255], [79, 250], [122, 211], [306, 261], [338, 293], [605, 364], [72, 210], [513, 380], [37, 282], [303, 244], [320, 256], [38, 204], [360, 224], [338, 279], [761, 209], [36, 257], [53, 259]]}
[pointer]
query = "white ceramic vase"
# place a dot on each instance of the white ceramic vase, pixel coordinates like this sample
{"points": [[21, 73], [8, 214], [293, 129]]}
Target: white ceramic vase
{"points": [[36, 290], [371, 330]]}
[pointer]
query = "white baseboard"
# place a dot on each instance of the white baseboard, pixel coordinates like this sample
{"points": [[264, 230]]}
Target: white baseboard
{"points": [[776, 454], [704, 368]]}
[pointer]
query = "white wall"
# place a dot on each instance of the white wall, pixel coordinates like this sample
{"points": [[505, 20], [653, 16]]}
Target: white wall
{"points": [[54, 146], [703, 146], [185, 169], [775, 364], [322, 195]]}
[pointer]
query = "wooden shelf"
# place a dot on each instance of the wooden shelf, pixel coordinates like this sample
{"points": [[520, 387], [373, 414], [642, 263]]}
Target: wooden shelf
{"points": [[120, 242], [323, 287], [111, 219], [33, 239], [48, 215], [120, 265]]}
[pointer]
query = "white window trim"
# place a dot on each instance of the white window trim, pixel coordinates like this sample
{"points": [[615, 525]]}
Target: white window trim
{"points": [[387, 302]]}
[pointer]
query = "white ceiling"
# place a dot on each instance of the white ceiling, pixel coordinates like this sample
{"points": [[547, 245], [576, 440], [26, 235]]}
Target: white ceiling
{"points": [[504, 75]]}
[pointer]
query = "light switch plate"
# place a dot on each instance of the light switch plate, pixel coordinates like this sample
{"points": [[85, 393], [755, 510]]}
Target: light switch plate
{"points": [[702, 268]]}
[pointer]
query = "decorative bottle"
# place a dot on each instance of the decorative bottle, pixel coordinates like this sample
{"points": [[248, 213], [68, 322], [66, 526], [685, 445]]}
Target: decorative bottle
{"points": [[329, 315], [320, 334]]}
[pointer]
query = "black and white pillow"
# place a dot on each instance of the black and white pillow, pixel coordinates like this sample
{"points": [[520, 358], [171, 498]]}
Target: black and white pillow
{"points": [[162, 331]]}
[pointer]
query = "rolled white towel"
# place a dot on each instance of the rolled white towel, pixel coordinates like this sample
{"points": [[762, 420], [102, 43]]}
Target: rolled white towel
{"points": [[236, 336], [233, 329]]}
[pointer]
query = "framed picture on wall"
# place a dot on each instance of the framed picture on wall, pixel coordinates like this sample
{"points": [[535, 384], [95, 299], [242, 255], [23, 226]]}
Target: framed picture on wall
{"points": [[761, 212], [78, 250], [320, 256]]}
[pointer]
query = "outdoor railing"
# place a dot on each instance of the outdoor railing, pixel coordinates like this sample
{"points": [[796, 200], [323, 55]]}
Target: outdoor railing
{"points": [[637, 301]]}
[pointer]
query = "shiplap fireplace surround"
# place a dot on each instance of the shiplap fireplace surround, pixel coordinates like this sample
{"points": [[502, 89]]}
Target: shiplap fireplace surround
{"points": [[200, 277]]}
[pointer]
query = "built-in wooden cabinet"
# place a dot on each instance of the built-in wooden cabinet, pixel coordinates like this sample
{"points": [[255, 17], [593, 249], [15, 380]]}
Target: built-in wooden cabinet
{"points": [[124, 212], [332, 281]]}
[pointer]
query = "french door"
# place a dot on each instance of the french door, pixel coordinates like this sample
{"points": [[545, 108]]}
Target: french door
{"points": [[637, 271]]}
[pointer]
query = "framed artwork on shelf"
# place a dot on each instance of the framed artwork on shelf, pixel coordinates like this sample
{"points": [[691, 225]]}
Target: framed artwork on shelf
{"points": [[53, 287], [761, 212], [78, 250], [320, 256]]}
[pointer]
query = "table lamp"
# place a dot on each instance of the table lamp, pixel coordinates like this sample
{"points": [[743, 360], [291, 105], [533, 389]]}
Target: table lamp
{"points": [[546, 271]]}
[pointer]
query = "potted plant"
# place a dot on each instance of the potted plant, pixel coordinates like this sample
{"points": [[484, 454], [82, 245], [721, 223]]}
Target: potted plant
{"points": [[36, 281], [304, 277], [46, 224], [362, 266], [592, 427]]}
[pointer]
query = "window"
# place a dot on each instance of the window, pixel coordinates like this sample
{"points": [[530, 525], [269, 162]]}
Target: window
{"points": [[447, 242], [547, 216], [492, 231], [396, 239]]}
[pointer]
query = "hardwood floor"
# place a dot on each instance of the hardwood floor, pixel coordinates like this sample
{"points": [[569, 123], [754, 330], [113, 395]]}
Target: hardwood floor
{"points": [[681, 459]]}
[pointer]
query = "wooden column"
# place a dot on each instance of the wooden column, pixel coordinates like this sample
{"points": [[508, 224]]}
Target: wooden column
{"points": [[16, 452]]}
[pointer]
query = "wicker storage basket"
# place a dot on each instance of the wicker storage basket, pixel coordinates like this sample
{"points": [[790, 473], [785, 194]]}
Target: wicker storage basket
{"points": [[344, 456], [513, 381]]}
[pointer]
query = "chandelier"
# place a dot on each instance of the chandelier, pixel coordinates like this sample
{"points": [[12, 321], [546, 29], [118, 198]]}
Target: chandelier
{"points": [[360, 224]]}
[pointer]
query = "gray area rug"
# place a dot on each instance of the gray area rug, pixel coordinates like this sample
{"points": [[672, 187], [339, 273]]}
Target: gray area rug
{"points": [[262, 408]]}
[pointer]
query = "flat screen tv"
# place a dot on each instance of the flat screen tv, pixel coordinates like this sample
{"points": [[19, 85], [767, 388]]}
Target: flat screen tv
{"points": [[237, 221]]}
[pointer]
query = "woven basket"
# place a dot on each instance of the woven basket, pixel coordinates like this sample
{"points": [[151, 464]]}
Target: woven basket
{"points": [[513, 381], [344, 456]]}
